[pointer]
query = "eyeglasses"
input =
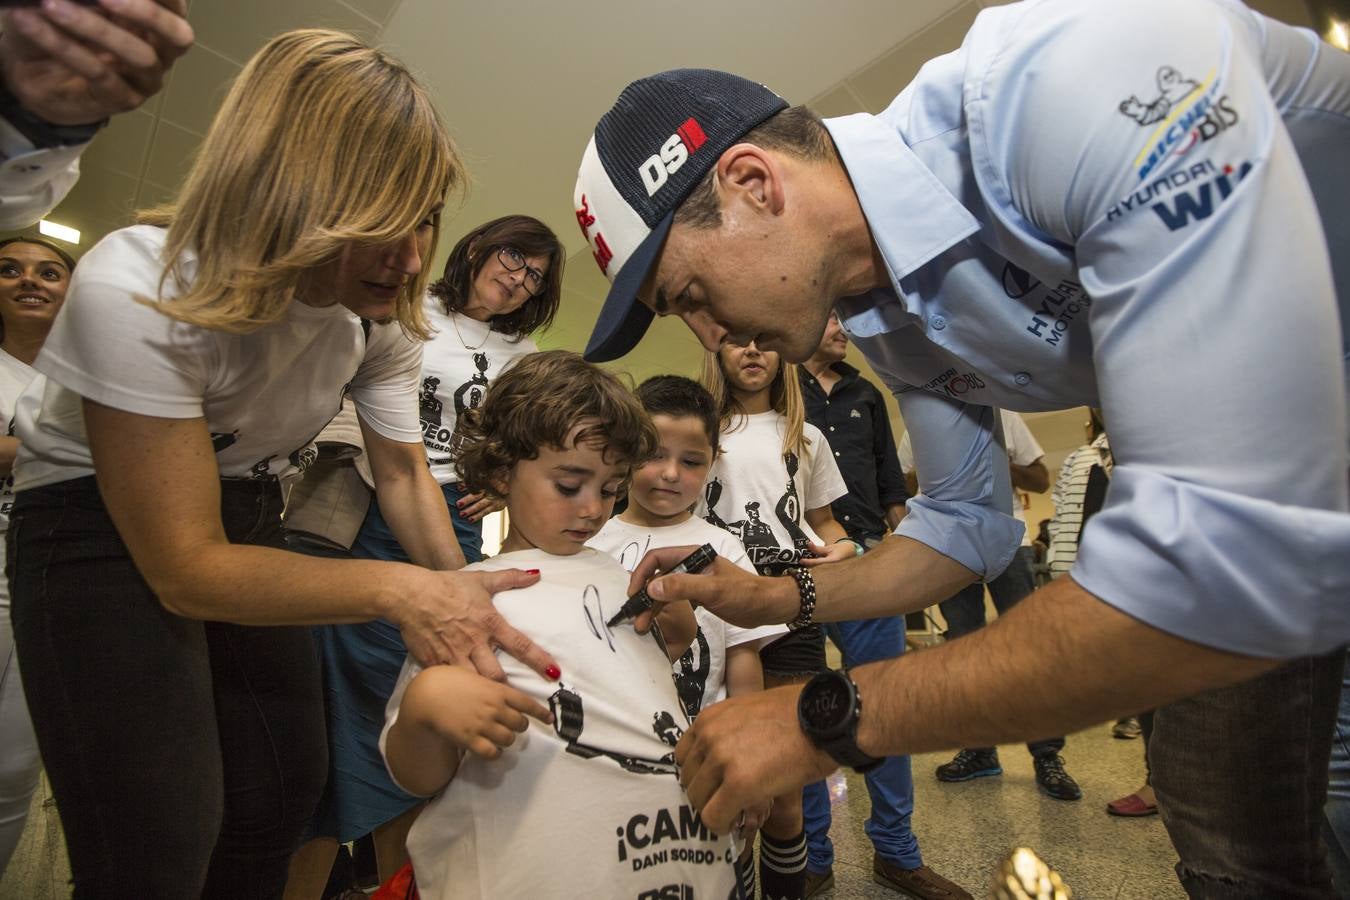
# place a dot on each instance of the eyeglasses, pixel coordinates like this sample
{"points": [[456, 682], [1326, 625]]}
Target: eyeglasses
{"points": [[512, 260]]}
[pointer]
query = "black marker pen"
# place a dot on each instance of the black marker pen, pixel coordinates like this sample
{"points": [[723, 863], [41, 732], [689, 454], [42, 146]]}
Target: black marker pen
{"points": [[640, 602]]}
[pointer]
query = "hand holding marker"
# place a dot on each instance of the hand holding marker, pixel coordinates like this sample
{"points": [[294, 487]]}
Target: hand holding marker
{"points": [[640, 602]]}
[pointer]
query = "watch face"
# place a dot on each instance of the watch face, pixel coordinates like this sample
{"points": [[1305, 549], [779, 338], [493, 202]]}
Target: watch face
{"points": [[826, 704]]}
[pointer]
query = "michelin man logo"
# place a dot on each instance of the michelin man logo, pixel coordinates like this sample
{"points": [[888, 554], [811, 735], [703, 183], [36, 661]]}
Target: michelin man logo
{"points": [[1173, 87]]}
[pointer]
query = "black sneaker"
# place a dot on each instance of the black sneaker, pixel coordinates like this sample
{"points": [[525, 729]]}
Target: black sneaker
{"points": [[1052, 778], [970, 764]]}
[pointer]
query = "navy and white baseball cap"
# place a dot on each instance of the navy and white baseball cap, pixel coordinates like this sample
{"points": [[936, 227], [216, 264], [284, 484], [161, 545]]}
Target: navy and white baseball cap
{"points": [[648, 153]]}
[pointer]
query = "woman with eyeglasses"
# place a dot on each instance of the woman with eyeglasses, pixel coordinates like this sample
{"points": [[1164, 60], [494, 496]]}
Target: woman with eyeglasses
{"points": [[502, 283]]}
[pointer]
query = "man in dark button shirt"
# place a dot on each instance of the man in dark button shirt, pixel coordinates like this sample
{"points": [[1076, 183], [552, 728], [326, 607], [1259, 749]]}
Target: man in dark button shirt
{"points": [[851, 413]]}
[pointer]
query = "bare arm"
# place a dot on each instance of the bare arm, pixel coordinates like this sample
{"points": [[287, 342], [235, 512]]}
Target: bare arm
{"points": [[823, 523], [745, 673], [412, 502], [914, 576], [169, 518], [447, 711], [982, 689], [1033, 477], [9, 448], [894, 514], [912, 482], [985, 688]]}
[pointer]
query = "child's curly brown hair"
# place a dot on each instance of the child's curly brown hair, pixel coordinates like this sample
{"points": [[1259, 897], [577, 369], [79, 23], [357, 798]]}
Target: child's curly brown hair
{"points": [[536, 403]]}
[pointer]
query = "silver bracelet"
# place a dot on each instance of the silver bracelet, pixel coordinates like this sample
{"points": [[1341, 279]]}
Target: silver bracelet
{"points": [[806, 587]]}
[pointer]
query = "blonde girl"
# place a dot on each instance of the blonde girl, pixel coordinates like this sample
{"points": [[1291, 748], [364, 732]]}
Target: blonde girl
{"points": [[772, 486]]}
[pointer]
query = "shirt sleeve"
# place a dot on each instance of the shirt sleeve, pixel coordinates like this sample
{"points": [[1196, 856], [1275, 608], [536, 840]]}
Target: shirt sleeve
{"points": [[963, 510], [32, 181], [890, 480], [109, 347], [904, 453], [386, 385], [1023, 448], [409, 671], [1213, 318]]}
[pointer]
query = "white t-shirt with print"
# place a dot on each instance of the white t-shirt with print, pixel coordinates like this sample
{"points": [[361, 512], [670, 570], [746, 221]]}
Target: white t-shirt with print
{"points": [[761, 496], [457, 367], [1023, 450], [700, 674], [264, 395], [591, 805], [15, 376]]}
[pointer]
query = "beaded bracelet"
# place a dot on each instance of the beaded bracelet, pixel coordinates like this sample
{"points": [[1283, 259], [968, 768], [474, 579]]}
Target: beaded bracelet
{"points": [[806, 587]]}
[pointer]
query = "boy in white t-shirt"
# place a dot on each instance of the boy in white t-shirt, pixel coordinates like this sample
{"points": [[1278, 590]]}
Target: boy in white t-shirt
{"points": [[723, 659], [588, 802]]}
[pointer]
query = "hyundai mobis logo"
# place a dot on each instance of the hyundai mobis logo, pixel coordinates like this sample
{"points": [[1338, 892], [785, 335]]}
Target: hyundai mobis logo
{"points": [[674, 153]]}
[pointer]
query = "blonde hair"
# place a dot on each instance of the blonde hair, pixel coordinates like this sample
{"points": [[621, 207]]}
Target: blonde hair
{"points": [[785, 396], [322, 143]]}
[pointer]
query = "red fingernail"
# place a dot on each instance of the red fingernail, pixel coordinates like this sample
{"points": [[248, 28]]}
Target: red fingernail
{"points": [[531, 571], [553, 672]]}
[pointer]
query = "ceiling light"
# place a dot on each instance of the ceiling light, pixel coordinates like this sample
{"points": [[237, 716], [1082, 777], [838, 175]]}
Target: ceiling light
{"points": [[60, 232], [1338, 35]]}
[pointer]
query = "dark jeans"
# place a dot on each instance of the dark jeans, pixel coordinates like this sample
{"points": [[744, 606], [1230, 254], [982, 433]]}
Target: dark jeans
{"points": [[1241, 778], [965, 613], [376, 539], [1336, 828], [185, 756]]}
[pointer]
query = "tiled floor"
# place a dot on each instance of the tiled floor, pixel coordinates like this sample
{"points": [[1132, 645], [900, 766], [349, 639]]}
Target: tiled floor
{"points": [[964, 829]]}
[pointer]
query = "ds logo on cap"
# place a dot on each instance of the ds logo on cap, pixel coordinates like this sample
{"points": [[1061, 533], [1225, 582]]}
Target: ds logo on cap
{"points": [[657, 168]]}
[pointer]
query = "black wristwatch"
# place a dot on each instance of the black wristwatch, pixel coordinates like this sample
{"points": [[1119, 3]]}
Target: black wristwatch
{"points": [[828, 711]]}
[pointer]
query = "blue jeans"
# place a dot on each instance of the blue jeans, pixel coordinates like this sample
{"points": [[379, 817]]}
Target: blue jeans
{"points": [[375, 540], [965, 613], [1336, 821], [890, 784]]}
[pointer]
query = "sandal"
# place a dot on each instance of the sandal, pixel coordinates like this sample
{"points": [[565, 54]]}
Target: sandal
{"points": [[1131, 806]]}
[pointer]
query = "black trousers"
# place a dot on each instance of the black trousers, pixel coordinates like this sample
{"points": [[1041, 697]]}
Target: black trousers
{"points": [[185, 756]]}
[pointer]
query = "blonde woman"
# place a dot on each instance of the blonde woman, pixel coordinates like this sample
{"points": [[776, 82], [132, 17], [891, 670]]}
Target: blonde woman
{"points": [[197, 357], [772, 485]]}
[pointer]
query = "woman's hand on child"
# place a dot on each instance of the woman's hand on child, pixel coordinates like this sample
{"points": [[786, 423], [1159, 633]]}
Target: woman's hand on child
{"points": [[730, 592], [477, 714], [473, 507], [831, 553], [448, 617]]}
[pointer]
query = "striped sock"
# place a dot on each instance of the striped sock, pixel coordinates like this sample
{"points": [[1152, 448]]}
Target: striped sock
{"points": [[782, 867], [745, 868]]}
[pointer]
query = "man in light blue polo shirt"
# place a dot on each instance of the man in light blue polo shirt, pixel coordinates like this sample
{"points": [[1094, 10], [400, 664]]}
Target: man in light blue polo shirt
{"points": [[1160, 244]]}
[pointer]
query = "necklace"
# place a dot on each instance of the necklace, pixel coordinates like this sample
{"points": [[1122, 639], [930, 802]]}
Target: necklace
{"points": [[453, 317]]}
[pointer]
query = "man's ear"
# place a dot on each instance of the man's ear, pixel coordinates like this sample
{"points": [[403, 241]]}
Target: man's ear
{"points": [[748, 173]]}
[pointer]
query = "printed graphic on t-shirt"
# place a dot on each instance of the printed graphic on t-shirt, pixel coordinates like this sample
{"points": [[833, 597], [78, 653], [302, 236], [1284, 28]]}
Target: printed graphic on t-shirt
{"points": [[443, 443], [761, 545], [691, 674]]}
